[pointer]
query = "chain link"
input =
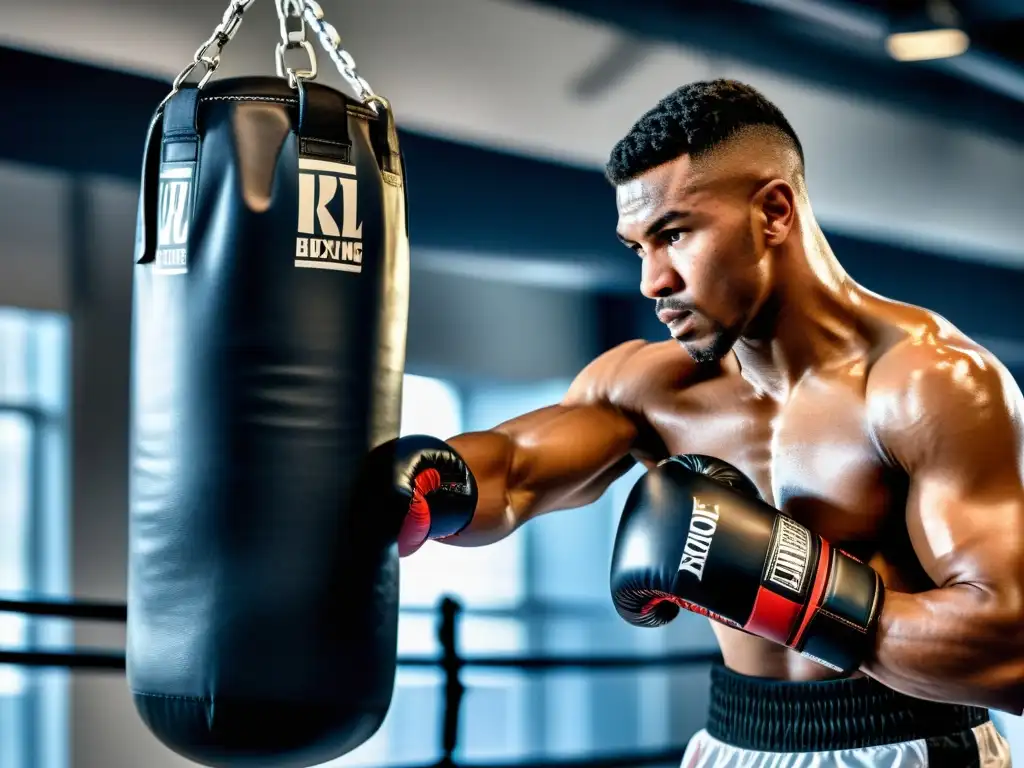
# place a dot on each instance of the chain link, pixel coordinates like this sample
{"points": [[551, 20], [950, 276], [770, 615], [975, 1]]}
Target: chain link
{"points": [[293, 35], [293, 16], [208, 54]]}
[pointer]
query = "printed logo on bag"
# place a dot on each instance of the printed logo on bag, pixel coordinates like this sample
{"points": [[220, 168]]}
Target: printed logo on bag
{"points": [[789, 556], [174, 216], [703, 524], [330, 235]]}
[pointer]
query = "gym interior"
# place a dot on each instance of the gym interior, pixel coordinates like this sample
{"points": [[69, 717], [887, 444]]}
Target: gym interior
{"points": [[506, 109]]}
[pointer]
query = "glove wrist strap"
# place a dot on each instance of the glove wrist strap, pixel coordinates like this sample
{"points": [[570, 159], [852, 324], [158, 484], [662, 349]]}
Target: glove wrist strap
{"points": [[839, 628]]}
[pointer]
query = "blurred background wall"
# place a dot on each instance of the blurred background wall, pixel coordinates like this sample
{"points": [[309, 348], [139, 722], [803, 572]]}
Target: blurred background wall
{"points": [[507, 110]]}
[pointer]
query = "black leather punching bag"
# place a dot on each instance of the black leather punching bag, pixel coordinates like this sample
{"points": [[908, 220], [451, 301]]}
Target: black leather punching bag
{"points": [[269, 329]]}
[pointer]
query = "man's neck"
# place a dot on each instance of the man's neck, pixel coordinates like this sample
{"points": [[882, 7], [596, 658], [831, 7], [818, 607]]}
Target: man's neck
{"points": [[809, 321]]}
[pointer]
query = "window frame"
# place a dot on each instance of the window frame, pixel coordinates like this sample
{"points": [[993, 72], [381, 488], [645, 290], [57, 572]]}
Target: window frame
{"points": [[40, 706]]}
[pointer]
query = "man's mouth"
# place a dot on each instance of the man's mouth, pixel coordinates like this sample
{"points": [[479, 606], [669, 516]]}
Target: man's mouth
{"points": [[672, 316]]}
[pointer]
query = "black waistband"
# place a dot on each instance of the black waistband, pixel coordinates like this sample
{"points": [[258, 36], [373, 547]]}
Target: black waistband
{"points": [[775, 716]]}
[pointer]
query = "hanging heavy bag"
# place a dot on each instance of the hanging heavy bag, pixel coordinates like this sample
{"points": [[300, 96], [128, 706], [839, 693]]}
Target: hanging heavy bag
{"points": [[269, 330]]}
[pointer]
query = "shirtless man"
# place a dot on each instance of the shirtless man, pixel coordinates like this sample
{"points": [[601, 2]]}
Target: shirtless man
{"points": [[877, 425]]}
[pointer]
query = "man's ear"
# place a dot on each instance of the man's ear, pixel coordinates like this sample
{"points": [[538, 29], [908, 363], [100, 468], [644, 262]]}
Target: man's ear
{"points": [[775, 204]]}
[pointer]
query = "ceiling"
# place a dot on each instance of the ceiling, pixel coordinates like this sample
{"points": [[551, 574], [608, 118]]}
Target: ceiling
{"points": [[840, 44], [930, 156], [996, 27]]}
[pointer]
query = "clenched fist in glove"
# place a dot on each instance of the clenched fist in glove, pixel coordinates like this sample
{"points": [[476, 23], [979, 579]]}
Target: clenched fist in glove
{"points": [[424, 487], [695, 534]]}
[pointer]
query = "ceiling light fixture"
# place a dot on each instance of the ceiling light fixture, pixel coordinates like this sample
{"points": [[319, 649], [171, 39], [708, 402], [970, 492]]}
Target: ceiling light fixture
{"points": [[930, 31]]}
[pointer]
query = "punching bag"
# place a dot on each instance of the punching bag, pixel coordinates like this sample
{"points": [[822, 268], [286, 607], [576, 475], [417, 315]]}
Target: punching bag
{"points": [[269, 327]]}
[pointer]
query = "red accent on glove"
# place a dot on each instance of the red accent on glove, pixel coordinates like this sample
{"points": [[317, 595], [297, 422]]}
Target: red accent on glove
{"points": [[416, 527], [686, 606], [773, 616], [817, 592]]}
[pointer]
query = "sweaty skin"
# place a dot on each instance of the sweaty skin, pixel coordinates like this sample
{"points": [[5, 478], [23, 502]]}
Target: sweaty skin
{"points": [[876, 424]]}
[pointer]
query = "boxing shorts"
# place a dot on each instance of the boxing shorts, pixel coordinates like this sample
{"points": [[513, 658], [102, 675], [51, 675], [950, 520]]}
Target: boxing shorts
{"points": [[757, 723]]}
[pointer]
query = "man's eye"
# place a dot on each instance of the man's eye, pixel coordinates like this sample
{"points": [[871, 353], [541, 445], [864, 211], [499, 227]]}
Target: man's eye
{"points": [[674, 236]]}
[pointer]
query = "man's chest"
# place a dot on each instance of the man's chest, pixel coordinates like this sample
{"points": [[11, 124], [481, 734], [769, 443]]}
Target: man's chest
{"points": [[813, 457]]}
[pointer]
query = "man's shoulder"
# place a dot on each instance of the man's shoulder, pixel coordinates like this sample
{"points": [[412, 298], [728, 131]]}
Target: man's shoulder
{"points": [[930, 356], [930, 373], [629, 373]]}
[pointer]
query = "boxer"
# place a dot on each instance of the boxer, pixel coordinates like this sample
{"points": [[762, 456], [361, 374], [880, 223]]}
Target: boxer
{"points": [[879, 428]]}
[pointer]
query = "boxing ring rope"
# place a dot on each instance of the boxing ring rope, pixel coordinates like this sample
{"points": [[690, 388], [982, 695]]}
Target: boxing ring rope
{"points": [[450, 662]]}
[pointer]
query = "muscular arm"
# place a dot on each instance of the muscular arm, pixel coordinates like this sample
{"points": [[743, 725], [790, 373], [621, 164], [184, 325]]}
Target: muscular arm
{"points": [[558, 457], [951, 417]]}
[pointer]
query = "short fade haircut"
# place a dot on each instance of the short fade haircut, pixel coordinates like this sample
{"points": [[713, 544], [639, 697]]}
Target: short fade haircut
{"points": [[694, 120]]}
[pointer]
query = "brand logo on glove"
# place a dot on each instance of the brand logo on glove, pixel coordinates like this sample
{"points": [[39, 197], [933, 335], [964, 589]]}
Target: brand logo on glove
{"points": [[790, 555], [703, 524], [173, 219], [328, 196]]}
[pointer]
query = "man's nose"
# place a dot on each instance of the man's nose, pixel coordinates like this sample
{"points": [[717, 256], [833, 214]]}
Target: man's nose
{"points": [[658, 278]]}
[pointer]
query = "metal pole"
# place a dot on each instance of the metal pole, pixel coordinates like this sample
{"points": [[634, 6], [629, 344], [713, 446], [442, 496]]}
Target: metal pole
{"points": [[452, 664]]}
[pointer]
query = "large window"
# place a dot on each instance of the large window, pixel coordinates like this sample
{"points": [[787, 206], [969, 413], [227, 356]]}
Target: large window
{"points": [[541, 591], [33, 527], [486, 580]]}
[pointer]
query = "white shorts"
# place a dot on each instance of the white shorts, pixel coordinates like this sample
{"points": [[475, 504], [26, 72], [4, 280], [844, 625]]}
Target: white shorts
{"points": [[758, 723]]}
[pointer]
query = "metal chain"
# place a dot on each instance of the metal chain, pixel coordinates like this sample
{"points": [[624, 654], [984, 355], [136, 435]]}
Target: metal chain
{"points": [[222, 35], [293, 35], [331, 42], [293, 16]]}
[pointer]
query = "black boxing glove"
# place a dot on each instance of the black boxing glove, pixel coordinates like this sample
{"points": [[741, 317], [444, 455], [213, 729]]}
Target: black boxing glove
{"points": [[426, 487], [695, 534]]}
